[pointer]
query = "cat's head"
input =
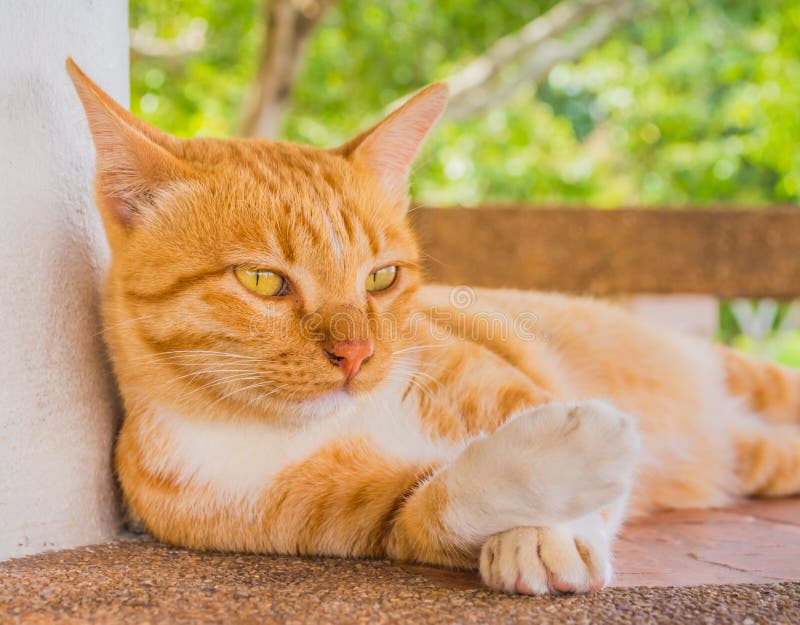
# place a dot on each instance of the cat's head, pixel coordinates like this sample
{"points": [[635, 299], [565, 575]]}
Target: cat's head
{"points": [[254, 276]]}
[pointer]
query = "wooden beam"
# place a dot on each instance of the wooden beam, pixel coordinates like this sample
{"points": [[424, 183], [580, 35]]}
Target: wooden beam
{"points": [[723, 252]]}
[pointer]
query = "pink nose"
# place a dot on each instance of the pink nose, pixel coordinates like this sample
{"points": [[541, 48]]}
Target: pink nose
{"points": [[349, 355]]}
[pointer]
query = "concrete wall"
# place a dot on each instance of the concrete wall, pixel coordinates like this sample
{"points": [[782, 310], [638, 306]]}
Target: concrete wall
{"points": [[57, 404]]}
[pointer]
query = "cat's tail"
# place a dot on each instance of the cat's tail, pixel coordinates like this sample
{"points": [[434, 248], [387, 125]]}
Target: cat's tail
{"points": [[768, 453]]}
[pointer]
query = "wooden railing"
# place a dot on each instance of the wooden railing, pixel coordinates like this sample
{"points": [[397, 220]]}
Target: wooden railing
{"points": [[723, 252]]}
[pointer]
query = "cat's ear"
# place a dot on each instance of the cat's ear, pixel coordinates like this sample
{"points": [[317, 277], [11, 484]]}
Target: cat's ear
{"points": [[387, 149], [134, 160]]}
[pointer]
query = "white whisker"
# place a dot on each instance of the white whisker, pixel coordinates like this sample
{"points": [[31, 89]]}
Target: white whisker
{"points": [[124, 322], [179, 353], [245, 388], [417, 348]]}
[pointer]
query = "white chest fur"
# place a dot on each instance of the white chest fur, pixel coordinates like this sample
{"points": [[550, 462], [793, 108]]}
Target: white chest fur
{"points": [[238, 459]]}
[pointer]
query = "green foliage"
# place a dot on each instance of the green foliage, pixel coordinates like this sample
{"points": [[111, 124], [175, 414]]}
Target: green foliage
{"points": [[780, 341], [197, 93], [782, 347], [695, 102]]}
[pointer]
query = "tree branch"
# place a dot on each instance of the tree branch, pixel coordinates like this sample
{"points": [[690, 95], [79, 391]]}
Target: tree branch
{"points": [[289, 24], [564, 33]]}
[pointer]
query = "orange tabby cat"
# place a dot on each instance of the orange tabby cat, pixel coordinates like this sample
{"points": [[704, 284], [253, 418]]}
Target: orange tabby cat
{"points": [[291, 387]]}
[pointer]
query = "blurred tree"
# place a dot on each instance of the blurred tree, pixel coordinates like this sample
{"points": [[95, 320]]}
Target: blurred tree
{"points": [[564, 33], [694, 101], [288, 25]]}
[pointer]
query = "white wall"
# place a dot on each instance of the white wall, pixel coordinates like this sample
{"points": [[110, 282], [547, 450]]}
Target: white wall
{"points": [[57, 404]]}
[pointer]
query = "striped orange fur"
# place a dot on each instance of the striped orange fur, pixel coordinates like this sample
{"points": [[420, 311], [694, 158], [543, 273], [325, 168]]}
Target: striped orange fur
{"points": [[509, 431]]}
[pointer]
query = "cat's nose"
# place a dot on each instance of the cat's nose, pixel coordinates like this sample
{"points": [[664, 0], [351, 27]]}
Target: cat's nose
{"points": [[349, 355]]}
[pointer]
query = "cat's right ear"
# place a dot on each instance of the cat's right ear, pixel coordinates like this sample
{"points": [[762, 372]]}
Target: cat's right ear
{"points": [[134, 160], [387, 149]]}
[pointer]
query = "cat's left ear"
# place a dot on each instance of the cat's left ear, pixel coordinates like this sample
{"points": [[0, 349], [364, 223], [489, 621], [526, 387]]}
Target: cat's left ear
{"points": [[387, 149], [135, 161]]}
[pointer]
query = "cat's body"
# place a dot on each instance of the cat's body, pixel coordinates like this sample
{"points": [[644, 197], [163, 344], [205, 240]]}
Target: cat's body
{"points": [[402, 421]]}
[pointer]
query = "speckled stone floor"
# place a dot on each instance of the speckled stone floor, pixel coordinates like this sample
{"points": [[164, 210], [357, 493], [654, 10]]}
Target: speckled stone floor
{"points": [[729, 566]]}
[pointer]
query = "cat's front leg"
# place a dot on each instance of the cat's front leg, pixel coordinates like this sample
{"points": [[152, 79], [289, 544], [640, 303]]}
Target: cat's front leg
{"points": [[556, 462], [532, 478]]}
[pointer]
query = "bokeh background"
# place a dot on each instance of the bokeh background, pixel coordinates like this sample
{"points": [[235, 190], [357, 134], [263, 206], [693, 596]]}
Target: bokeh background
{"points": [[605, 103]]}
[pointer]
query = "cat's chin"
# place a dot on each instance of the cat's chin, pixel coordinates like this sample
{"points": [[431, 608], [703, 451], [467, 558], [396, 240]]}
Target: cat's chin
{"points": [[337, 402], [342, 401]]}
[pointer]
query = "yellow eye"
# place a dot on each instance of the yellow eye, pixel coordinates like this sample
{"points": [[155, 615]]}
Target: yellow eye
{"points": [[382, 278], [261, 281]]}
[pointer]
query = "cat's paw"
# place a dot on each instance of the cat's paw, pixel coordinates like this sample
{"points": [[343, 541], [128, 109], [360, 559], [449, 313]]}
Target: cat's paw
{"points": [[544, 560], [546, 466], [598, 454]]}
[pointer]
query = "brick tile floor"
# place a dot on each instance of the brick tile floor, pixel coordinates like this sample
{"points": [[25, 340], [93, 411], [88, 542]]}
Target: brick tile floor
{"points": [[752, 542]]}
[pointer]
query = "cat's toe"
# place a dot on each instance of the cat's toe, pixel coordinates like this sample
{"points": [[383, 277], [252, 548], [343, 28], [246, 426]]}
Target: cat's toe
{"points": [[539, 561], [510, 563]]}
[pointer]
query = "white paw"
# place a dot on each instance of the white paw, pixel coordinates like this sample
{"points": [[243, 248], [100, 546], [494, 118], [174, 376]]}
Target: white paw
{"points": [[543, 560], [546, 466]]}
